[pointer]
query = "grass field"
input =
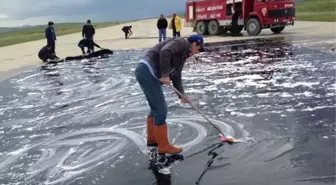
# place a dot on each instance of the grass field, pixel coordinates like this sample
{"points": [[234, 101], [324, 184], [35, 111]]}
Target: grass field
{"points": [[316, 10], [37, 32]]}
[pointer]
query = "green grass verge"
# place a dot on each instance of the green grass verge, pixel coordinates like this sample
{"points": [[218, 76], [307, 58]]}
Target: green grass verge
{"points": [[315, 16], [37, 32], [316, 10]]}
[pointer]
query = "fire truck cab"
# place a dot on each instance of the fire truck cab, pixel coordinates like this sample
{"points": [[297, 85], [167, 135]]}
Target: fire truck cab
{"points": [[215, 17]]}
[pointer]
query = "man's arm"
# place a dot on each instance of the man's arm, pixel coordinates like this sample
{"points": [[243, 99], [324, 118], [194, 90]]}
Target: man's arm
{"points": [[166, 23], [47, 34], [54, 34], [179, 22], [93, 31], [167, 52], [96, 45], [177, 83], [49, 52], [157, 24]]}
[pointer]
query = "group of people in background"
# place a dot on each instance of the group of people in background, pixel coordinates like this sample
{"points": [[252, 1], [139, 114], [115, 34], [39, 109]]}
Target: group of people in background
{"points": [[162, 25], [174, 24], [88, 32], [48, 51]]}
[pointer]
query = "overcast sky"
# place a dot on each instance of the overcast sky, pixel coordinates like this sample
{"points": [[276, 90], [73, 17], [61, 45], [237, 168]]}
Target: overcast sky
{"points": [[37, 12]]}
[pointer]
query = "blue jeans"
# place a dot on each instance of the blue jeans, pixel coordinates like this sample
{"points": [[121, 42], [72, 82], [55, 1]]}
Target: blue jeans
{"points": [[162, 33], [152, 89]]}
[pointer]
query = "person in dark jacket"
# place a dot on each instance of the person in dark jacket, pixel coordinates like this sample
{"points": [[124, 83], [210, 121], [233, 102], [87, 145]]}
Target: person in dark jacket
{"points": [[161, 64], [46, 53], [51, 36], [162, 25], [88, 30], [127, 30], [89, 43]]}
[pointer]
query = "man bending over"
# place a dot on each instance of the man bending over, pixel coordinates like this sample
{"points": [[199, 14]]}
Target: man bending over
{"points": [[127, 30], [89, 43]]}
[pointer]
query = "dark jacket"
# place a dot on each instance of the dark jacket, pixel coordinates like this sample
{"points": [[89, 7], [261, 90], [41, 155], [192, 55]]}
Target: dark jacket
{"points": [[88, 31], [162, 23], [167, 59], [44, 53], [50, 35], [88, 43], [126, 28]]}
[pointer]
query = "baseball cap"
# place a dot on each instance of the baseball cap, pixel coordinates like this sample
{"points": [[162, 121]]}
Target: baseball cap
{"points": [[197, 38]]}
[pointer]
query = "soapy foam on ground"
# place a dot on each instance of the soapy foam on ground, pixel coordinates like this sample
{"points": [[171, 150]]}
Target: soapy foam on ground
{"points": [[93, 112]]}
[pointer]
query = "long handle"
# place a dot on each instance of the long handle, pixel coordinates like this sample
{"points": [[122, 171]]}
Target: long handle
{"points": [[179, 93]]}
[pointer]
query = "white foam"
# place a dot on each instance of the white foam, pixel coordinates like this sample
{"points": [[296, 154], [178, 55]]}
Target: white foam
{"points": [[317, 108], [285, 95], [296, 84], [242, 114], [201, 103], [263, 95]]}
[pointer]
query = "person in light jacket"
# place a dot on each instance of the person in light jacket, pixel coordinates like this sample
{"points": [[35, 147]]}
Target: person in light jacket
{"points": [[176, 25]]}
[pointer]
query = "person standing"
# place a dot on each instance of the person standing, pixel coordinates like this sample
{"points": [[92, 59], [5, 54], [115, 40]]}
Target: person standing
{"points": [[176, 25], [51, 36], [162, 64], [162, 25], [88, 30]]}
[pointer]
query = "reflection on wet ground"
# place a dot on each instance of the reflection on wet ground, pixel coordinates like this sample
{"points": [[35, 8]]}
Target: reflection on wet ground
{"points": [[82, 122]]}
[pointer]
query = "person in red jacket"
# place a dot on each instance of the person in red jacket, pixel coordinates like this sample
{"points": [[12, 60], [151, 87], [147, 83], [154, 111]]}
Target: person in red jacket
{"points": [[162, 64]]}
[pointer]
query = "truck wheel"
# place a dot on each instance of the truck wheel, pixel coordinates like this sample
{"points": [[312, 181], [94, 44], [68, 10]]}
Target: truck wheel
{"points": [[213, 27], [253, 27], [202, 27], [278, 29]]}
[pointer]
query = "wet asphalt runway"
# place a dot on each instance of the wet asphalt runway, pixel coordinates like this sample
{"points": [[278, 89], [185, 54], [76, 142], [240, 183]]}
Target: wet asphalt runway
{"points": [[83, 122]]}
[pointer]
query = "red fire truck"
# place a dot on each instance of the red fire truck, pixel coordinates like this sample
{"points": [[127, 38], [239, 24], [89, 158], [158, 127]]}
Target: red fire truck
{"points": [[214, 17]]}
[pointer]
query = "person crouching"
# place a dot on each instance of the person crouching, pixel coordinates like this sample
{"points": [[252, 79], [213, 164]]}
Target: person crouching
{"points": [[46, 53]]}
